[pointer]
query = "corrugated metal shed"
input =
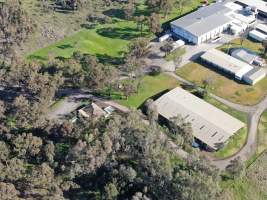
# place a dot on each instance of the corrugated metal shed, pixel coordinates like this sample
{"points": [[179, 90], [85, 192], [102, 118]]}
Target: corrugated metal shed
{"points": [[211, 125]]}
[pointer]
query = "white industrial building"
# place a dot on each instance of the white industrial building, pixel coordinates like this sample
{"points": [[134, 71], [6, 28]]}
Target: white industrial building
{"points": [[203, 24], [237, 68], [211, 125], [227, 63], [209, 22]]}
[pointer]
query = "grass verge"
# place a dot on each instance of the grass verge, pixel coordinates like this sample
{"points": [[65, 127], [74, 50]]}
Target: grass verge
{"points": [[149, 87]]}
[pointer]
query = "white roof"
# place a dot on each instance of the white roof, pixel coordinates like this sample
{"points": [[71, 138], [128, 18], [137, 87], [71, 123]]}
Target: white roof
{"points": [[245, 19], [233, 6], [227, 62], [205, 19], [258, 34], [259, 4], [210, 124], [262, 27], [256, 74]]}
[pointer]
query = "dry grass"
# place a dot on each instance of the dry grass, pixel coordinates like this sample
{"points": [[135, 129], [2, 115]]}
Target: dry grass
{"points": [[223, 86]]}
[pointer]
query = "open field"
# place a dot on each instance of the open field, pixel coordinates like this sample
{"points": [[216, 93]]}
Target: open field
{"points": [[251, 186], [224, 86], [107, 41], [262, 134], [150, 86]]}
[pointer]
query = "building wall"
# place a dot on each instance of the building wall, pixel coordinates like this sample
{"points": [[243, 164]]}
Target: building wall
{"points": [[184, 34], [252, 82], [198, 39]]}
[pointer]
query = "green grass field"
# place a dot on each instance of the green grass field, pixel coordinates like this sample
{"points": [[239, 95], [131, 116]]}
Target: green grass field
{"points": [[223, 86], [108, 41], [150, 86], [103, 41], [234, 144], [247, 43]]}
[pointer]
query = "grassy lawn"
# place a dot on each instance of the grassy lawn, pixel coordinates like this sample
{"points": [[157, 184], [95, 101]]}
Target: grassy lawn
{"points": [[247, 43], [235, 113], [262, 134], [150, 86], [224, 86], [107, 41], [176, 53], [103, 41], [234, 144]]}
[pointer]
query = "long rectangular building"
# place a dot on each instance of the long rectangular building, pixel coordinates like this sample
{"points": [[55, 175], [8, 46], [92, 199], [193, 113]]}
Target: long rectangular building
{"points": [[211, 125], [227, 63]]}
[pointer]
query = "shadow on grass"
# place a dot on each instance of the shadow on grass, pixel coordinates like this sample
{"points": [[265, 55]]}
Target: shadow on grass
{"points": [[119, 33], [154, 98], [88, 26], [65, 46], [36, 57], [106, 59], [117, 13], [218, 71]]}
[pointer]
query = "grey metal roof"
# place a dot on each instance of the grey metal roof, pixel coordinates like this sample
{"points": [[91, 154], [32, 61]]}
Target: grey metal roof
{"points": [[255, 74], [227, 62], [204, 19], [210, 124], [244, 54]]}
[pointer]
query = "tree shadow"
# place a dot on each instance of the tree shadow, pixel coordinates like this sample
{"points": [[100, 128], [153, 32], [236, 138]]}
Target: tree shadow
{"points": [[88, 26], [117, 13], [106, 59], [65, 46], [36, 57], [119, 33]]}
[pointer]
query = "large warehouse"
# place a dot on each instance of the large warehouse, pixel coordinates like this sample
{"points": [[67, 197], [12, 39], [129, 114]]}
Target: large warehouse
{"points": [[203, 24], [211, 126], [227, 63]]}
